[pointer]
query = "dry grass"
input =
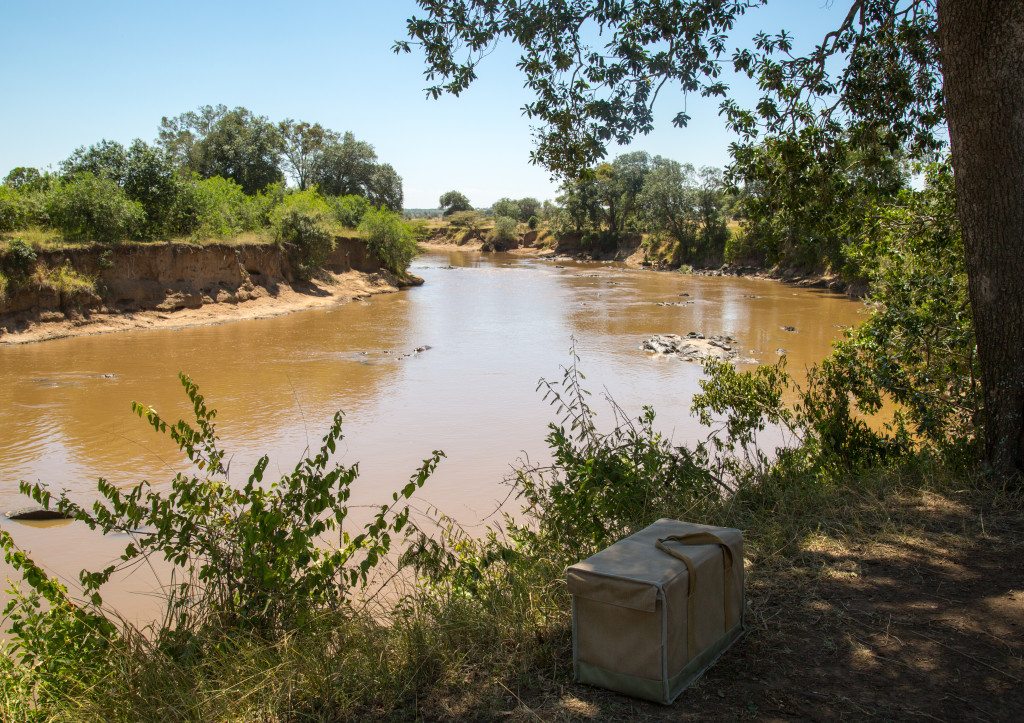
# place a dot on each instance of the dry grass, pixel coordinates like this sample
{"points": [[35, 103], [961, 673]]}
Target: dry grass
{"points": [[262, 237], [64, 280], [51, 240], [40, 238], [891, 595]]}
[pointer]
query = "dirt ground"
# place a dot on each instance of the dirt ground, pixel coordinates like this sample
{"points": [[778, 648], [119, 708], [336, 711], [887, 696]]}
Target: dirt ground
{"points": [[921, 619]]}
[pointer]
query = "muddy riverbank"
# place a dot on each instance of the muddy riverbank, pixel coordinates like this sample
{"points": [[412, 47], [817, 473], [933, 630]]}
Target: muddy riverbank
{"points": [[181, 285], [630, 251]]}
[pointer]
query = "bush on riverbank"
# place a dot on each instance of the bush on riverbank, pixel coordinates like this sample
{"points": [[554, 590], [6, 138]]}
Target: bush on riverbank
{"points": [[86, 207], [303, 225], [389, 237], [214, 208], [349, 210], [504, 235], [16, 209]]}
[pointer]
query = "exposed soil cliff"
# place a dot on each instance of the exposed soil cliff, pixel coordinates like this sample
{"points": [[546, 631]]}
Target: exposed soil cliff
{"points": [[181, 285]]}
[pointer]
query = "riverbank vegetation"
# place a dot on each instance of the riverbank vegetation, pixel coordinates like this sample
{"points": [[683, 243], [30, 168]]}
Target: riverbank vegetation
{"points": [[213, 174], [897, 75], [680, 214], [803, 202]]}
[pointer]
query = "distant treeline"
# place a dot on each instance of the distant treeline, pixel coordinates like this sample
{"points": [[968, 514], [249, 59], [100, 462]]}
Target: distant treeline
{"points": [[797, 201], [800, 200], [212, 172], [682, 211]]}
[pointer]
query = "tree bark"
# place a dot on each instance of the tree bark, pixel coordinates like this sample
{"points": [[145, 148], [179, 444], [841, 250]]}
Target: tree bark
{"points": [[982, 49]]}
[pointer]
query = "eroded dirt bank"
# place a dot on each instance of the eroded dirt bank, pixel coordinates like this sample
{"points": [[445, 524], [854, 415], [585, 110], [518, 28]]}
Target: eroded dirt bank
{"points": [[631, 251], [178, 285]]}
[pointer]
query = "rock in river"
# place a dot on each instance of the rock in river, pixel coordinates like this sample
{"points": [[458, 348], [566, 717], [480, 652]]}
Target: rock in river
{"points": [[37, 514], [693, 347]]}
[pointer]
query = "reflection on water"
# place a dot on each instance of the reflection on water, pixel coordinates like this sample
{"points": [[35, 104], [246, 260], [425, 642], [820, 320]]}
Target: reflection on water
{"points": [[494, 325]]}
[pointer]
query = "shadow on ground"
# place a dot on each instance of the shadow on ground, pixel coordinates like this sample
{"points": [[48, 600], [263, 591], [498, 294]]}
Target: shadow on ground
{"points": [[922, 618]]}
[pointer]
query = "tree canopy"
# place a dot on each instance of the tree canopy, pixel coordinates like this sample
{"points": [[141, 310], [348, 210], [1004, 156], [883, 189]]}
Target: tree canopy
{"points": [[587, 94], [304, 148], [235, 144], [893, 70], [454, 202], [520, 209]]}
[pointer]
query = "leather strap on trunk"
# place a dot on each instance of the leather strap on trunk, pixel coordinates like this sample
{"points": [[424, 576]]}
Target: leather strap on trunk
{"points": [[694, 539]]}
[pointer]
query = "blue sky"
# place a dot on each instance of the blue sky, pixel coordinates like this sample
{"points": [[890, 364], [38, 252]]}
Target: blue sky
{"points": [[76, 72]]}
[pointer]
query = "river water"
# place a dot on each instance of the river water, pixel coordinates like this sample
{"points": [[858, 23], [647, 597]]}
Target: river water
{"points": [[495, 325]]}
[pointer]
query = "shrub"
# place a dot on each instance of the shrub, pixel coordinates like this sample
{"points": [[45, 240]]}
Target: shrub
{"points": [[72, 285], [253, 568], [214, 208], [56, 647], [301, 224], [90, 208], [349, 210], [533, 222], [15, 209], [4, 285], [389, 237], [268, 199], [148, 174], [19, 260], [252, 555], [504, 235], [310, 202], [471, 222], [604, 486]]}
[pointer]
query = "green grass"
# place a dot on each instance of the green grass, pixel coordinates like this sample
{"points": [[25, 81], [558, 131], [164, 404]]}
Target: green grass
{"points": [[51, 240], [261, 237]]}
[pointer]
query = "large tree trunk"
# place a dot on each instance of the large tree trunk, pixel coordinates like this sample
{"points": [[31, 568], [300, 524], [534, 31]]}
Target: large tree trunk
{"points": [[982, 44]]}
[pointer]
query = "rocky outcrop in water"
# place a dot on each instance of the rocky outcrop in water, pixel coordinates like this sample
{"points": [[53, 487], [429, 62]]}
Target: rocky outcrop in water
{"points": [[693, 347]]}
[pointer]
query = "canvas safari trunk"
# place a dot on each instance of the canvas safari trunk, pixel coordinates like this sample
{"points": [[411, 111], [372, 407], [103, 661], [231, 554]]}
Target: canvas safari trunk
{"points": [[652, 612]]}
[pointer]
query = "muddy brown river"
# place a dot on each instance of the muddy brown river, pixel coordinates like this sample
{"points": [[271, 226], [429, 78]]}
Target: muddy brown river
{"points": [[495, 324]]}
